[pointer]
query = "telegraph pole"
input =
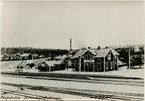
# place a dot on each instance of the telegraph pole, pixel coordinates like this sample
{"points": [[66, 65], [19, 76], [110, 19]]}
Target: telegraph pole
{"points": [[79, 58], [104, 65], [70, 44], [129, 59]]}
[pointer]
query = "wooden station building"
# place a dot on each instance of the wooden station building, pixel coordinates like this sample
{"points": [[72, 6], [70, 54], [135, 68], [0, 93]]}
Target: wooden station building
{"points": [[104, 59]]}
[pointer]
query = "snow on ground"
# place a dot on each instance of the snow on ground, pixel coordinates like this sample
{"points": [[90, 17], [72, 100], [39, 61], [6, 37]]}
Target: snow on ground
{"points": [[74, 85], [123, 71], [9, 66], [43, 93]]}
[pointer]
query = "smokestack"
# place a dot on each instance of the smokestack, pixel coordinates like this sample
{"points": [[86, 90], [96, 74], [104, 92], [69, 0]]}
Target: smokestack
{"points": [[99, 47], [70, 44]]}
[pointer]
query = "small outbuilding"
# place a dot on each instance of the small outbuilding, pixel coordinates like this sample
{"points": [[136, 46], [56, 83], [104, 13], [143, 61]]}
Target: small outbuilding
{"points": [[51, 66], [26, 56], [4, 57], [35, 56], [42, 56]]}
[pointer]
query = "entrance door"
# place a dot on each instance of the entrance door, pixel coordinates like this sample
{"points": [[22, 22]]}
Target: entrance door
{"points": [[91, 67], [88, 67], [99, 66]]}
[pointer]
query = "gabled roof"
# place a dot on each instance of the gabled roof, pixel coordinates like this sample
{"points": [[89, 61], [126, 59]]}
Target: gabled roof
{"points": [[35, 54], [42, 56], [52, 63], [26, 54], [3, 55], [79, 53], [96, 52], [114, 52], [102, 52], [61, 57], [82, 52], [92, 51]]}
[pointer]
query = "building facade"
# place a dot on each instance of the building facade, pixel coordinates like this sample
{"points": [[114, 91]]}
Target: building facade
{"points": [[95, 60]]}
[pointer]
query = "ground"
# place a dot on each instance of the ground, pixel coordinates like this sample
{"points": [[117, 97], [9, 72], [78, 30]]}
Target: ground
{"points": [[124, 87], [123, 71]]}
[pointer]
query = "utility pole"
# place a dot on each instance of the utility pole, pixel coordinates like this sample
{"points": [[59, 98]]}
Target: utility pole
{"points": [[70, 44], [79, 58], [129, 59], [79, 63], [104, 65]]}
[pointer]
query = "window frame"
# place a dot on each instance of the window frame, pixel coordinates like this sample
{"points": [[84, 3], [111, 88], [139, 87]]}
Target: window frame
{"points": [[109, 57]]}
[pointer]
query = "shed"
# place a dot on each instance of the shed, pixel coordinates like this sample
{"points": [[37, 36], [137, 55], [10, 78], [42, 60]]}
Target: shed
{"points": [[26, 56], [35, 56], [51, 66]]}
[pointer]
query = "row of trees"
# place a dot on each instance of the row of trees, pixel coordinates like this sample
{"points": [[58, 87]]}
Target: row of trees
{"points": [[136, 54], [46, 52]]}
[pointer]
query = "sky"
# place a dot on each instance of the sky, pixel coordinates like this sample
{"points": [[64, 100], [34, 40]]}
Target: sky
{"points": [[89, 24]]}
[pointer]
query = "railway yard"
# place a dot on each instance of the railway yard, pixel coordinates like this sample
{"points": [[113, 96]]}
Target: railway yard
{"points": [[64, 85], [71, 86]]}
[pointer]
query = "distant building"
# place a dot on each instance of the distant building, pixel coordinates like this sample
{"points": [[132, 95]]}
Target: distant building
{"points": [[42, 56], [61, 57], [35, 56], [95, 59], [4, 57], [17, 56], [11, 57], [51, 66], [26, 56]]}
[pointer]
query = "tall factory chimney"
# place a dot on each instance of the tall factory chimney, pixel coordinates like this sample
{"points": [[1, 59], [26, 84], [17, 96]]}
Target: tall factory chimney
{"points": [[70, 44]]}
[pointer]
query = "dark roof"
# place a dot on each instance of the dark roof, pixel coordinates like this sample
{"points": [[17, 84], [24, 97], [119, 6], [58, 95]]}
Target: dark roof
{"points": [[96, 52]]}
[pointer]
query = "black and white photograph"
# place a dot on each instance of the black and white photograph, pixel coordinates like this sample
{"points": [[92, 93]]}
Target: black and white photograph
{"points": [[71, 50]]}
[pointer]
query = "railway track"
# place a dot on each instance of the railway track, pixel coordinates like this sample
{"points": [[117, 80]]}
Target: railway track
{"points": [[108, 95], [89, 80], [72, 75], [25, 95]]}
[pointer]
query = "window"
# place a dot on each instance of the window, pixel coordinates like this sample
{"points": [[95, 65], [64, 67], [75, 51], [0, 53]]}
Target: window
{"points": [[107, 65], [88, 57], [109, 57], [111, 65]]}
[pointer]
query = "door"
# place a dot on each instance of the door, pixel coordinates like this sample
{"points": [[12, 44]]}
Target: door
{"points": [[99, 66]]}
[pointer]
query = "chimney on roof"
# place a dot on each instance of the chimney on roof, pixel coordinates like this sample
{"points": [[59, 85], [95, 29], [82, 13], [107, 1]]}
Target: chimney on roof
{"points": [[99, 47], [106, 47], [89, 47]]}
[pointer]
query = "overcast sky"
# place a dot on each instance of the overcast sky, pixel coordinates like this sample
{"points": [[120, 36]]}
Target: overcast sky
{"points": [[51, 24]]}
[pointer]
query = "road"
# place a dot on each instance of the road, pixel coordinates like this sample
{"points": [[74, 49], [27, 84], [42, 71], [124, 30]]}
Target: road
{"points": [[82, 88]]}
